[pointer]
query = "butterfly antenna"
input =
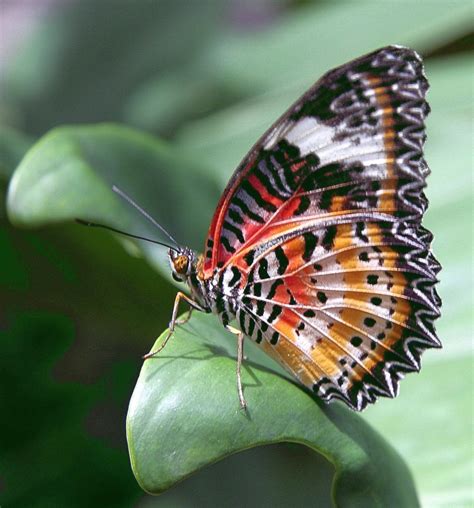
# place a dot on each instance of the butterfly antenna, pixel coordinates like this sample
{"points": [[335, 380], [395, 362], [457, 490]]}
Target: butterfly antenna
{"points": [[110, 228], [143, 212]]}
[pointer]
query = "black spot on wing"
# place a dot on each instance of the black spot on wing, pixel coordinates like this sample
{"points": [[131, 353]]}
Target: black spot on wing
{"points": [[282, 260], [249, 257], [370, 322], [274, 338], [257, 289], [276, 311], [263, 269], [372, 279], [236, 276], [310, 243], [235, 216], [303, 205], [226, 244], [273, 288], [251, 327], [328, 238], [322, 297], [260, 307]]}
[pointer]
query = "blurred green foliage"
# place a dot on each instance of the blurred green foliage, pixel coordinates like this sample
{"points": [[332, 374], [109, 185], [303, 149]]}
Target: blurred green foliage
{"points": [[77, 309]]}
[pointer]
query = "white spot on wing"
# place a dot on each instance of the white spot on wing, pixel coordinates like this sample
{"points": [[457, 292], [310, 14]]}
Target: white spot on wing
{"points": [[312, 136], [309, 135], [304, 342]]}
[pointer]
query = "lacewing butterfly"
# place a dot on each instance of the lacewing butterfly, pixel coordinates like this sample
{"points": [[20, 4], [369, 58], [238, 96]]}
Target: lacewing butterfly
{"points": [[316, 247]]}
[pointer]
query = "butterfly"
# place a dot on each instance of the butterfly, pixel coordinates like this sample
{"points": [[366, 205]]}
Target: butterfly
{"points": [[316, 247]]}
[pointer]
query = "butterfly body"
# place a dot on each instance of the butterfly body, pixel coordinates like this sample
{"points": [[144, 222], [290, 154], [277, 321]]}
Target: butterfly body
{"points": [[316, 247]]}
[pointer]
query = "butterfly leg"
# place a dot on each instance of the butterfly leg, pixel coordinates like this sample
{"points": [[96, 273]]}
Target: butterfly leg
{"points": [[184, 320], [240, 357], [179, 296]]}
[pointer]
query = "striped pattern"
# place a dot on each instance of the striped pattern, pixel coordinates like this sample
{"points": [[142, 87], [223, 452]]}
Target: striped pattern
{"points": [[316, 246]]}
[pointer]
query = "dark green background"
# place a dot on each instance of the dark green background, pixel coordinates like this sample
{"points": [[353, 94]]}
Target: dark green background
{"points": [[77, 309]]}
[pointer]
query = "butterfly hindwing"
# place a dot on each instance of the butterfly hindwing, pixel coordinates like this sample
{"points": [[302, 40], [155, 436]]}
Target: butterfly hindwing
{"points": [[322, 224], [350, 317]]}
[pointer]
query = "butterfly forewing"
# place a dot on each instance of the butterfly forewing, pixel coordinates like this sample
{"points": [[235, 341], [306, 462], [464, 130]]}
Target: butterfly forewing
{"points": [[322, 224]]}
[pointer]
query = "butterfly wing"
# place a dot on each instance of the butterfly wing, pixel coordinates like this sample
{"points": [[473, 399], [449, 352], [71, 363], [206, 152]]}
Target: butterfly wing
{"points": [[348, 310], [322, 221], [357, 134]]}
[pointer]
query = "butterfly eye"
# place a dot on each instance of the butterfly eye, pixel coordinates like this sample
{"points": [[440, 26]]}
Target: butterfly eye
{"points": [[180, 264]]}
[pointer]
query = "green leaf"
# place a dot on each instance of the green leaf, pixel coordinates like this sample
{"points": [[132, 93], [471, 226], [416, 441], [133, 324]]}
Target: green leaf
{"points": [[69, 174], [184, 414]]}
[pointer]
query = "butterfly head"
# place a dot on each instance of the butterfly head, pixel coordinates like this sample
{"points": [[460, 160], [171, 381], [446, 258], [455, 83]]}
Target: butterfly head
{"points": [[183, 263]]}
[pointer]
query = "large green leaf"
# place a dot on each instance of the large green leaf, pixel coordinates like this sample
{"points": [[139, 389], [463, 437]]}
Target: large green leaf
{"points": [[69, 173], [184, 414]]}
